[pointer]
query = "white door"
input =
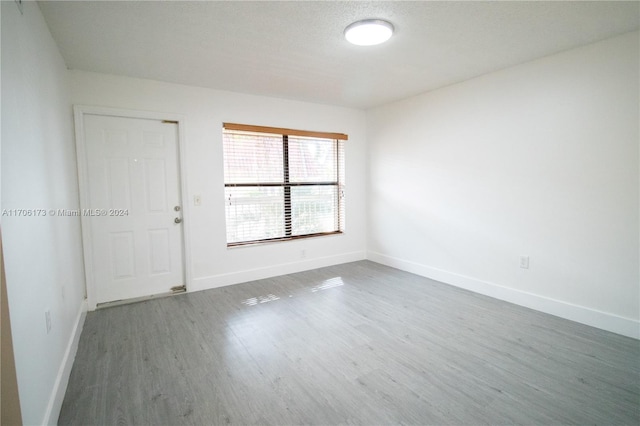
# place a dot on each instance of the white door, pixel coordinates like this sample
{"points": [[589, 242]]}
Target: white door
{"points": [[135, 210]]}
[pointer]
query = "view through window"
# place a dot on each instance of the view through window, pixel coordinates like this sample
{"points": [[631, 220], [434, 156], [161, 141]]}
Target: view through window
{"points": [[282, 184]]}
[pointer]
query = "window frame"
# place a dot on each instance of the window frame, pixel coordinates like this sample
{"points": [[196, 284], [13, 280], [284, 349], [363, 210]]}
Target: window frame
{"points": [[287, 185]]}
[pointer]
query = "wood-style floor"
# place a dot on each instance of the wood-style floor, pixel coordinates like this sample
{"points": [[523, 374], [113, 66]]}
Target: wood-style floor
{"points": [[358, 343]]}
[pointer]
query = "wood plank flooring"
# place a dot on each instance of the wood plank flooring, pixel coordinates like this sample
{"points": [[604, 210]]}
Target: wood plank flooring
{"points": [[358, 343]]}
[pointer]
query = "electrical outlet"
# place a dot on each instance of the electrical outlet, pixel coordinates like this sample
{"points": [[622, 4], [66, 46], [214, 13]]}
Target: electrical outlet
{"points": [[524, 262], [47, 319], [303, 254], [197, 200]]}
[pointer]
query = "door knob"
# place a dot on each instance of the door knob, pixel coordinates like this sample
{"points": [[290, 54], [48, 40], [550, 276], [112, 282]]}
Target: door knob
{"points": [[177, 220]]}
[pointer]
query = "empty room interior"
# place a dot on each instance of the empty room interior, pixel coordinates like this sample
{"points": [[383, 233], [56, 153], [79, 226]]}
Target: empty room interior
{"points": [[320, 212]]}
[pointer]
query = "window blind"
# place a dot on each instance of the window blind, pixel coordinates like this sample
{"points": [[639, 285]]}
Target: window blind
{"points": [[281, 186]]}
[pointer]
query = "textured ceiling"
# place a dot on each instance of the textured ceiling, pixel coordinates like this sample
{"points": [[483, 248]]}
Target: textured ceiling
{"points": [[296, 50]]}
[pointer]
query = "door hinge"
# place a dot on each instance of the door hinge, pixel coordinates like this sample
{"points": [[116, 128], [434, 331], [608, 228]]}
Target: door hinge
{"points": [[170, 121], [179, 288]]}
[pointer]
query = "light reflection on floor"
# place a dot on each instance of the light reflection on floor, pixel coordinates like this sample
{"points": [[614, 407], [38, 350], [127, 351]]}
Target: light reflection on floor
{"points": [[260, 299], [326, 284]]}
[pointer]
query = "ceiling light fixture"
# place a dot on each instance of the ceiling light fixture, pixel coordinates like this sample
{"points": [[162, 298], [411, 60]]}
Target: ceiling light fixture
{"points": [[368, 32]]}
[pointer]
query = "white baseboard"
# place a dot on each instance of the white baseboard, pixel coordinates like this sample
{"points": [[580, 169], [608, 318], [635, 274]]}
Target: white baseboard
{"points": [[222, 280], [62, 379], [605, 321]]}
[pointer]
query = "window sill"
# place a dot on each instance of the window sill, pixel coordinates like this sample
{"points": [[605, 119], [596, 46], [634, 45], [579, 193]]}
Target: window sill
{"points": [[280, 240]]}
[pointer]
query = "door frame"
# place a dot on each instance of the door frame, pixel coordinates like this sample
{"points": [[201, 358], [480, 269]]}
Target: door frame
{"points": [[79, 112]]}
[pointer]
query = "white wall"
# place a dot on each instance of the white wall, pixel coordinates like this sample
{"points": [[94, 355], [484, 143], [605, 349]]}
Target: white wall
{"points": [[43, 255], [212, 263], [541, 160]]}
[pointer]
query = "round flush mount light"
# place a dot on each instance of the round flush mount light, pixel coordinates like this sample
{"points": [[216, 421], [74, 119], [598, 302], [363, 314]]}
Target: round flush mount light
{"points": [[368, 32]]}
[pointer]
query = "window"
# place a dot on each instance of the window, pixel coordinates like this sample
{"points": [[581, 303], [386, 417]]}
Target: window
{"points": [[282, 184]]}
